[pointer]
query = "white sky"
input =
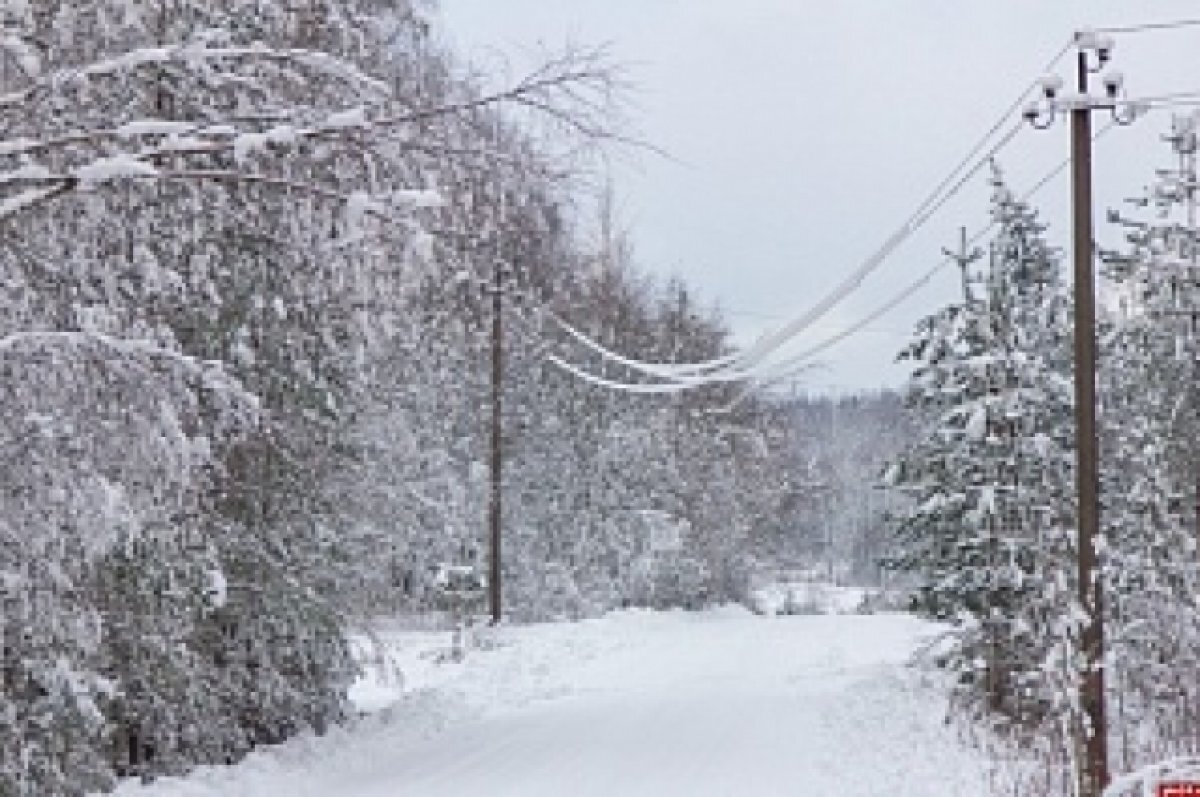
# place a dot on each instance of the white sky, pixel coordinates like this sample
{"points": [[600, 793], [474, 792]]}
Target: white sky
{"points": [[804, 133]]}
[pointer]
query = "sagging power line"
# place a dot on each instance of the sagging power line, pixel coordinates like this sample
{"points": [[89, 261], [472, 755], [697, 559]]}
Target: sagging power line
{"points": [[752, 361]]}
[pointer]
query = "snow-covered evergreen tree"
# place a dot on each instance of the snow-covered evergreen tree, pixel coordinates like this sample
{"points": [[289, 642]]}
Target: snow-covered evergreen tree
{"points": [[1150, 422], [988, 537]]}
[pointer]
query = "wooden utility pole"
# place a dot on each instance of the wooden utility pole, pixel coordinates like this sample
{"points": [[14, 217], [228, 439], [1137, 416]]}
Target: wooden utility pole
{"points": [[963, 258], [1093, 771], [1092, 743], [494, 592]]}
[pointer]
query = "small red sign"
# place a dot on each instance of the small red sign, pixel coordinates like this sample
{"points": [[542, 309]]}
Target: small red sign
{"points": [[1179, 789]]}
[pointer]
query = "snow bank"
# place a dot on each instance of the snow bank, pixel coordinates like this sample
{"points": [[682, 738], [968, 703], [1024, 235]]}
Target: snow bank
{"points": [[309, 766]]}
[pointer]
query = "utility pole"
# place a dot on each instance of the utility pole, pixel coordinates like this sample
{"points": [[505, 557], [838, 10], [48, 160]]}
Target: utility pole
{"points": [[829, 496], [963, 258], [1094, 773], [1093, 54], [494, 592]]}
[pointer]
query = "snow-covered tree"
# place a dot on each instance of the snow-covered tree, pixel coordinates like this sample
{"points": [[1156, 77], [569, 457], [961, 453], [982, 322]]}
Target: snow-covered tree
{"points": [[244, 348], [105, 441], [988, 536], [1150, 421], [216, 216]]}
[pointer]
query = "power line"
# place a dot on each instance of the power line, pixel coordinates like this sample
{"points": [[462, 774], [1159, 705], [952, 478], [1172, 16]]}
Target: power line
{"points": [[680, 375], [1161, 98], [1015, 106], [1151, 26], [924, 211], [771, 343], [788, 368], [661, 370], [924, 279], [743, 365], [1174, 99], [621, 387], [687, 376], [966, 178], [1177, 103]]}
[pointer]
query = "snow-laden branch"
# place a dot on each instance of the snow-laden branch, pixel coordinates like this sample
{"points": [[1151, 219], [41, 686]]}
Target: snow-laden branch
{"points": [[575, 90], [26, 199], [153, 142], [195, 53]]}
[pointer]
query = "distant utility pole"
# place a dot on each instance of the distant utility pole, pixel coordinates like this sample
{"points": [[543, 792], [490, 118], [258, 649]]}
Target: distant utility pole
{"points": [[494, 593], [963, 258], [1092, 56], [829, 502]]}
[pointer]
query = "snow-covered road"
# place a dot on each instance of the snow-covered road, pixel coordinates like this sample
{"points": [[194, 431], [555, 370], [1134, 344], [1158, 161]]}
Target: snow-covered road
{"points": [[640, 703]]}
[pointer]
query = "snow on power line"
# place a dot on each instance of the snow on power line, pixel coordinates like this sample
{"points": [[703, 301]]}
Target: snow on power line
{"points": [[805, 358], [754, 361], [687, 376], [678, 372]]}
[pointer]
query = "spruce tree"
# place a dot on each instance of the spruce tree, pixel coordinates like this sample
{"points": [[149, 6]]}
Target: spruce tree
{"points": [[1150, 424], [987, 538]]}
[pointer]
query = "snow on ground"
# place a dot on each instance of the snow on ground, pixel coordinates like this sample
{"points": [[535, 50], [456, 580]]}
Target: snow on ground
{"points": [[723, 702]]}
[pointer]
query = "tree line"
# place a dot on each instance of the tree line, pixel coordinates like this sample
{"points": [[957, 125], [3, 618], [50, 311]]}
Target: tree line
{"points": [[244, 356]]}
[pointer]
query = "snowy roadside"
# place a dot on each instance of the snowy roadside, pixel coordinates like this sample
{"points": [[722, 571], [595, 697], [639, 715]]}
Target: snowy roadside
{"points": [[640, 702], [414, 693]]}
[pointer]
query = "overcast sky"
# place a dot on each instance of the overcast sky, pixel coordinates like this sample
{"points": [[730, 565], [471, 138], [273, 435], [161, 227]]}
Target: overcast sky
{"points": [[804, 133]]}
